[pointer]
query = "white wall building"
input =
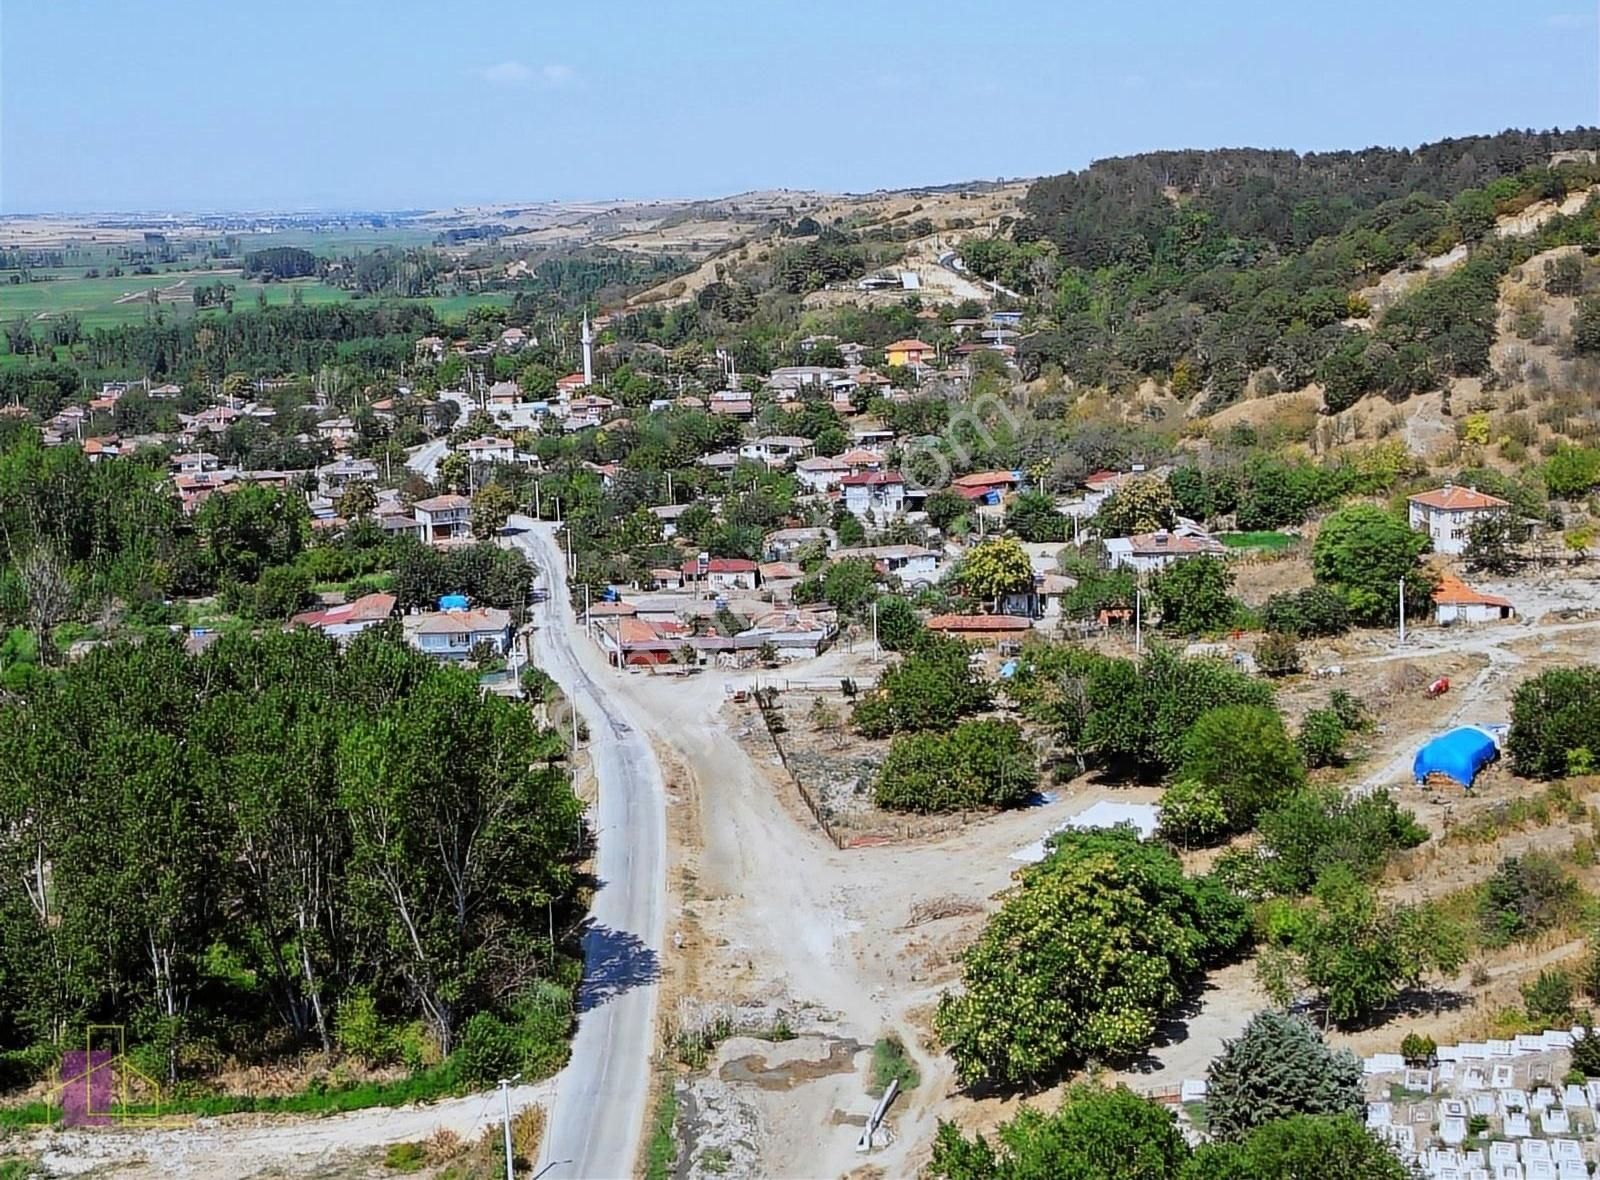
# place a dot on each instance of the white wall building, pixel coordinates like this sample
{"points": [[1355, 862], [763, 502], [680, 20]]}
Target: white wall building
{"points": [[1446, 514]]}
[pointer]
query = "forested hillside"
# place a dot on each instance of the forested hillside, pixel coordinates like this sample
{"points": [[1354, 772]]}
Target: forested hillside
{"points": [[1204, 268]]}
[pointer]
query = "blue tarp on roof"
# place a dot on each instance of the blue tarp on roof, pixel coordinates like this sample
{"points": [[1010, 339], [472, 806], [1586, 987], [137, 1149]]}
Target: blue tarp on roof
{"points": [[1458, 755], [453, 602]]}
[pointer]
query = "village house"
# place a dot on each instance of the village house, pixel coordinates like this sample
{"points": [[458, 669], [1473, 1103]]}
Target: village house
{"points": [[881, 493], [348, 619], [194, 490], [1456, 602], [721, 462], [859, 459], [513, 340], [1447, 513], [502, 395], [793, 634], [489, 449], [453, 634], [776, 450], [430, 348], [912, 564], [663, 578], [397, 522], [569, 385], [721, 574], [668, 515], [444, 518], [340, 433], [333, 478], [98, 449], [907, 352], [786, 544], [820, 473], [1147, 552], [987, 487]]}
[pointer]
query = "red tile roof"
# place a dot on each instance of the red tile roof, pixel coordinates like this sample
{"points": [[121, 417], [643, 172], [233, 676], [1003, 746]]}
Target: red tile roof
{"points": [[1451, 498], [872, 479], [968, 624], [366, 609], [1452, 591], [908, 346], [720, 565]]}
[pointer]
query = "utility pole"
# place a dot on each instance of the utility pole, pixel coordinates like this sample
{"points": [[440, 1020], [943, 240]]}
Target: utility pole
{"points": [[877, 648], [588, 619], [538, 512], [505, 1102], [1138, 621], [1402, 610]]}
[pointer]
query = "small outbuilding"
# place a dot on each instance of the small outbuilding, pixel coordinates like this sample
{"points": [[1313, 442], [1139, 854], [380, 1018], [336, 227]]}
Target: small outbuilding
{"points": [[1459, 754]]}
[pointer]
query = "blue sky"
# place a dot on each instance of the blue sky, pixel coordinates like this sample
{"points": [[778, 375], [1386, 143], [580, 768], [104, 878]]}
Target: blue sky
{"points": [[287, 104]]}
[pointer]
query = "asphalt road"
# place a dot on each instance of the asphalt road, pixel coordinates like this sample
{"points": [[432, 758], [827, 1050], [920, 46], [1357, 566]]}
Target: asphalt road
{"points": [[598, 1114], [426, 460]]}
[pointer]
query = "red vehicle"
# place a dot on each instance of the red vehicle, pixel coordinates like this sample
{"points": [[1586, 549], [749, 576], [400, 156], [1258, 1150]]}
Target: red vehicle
{"points": [[1439, 687]]}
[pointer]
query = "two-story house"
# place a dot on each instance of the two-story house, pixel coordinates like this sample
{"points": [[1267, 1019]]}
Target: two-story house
{"points": [[452, 634], [881, 493], [490, 449], [1446, 514], [443, 518]]}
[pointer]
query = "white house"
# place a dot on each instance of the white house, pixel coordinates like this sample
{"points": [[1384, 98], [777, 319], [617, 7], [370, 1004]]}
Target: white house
{"points": [[1456, 602], [490, 449], [335, 477], [1446, 514], [1156, 551], [912, 564], [452, 634], [882, 493], [775, 450], [821, 473], [443, 518]]}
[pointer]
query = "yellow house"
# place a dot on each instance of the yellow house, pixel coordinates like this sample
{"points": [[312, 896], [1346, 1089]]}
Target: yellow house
{"points": [[907, 352]]}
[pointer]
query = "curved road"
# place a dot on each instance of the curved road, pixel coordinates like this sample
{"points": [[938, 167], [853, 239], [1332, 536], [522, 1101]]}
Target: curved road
{"points": [[598, 1115]]}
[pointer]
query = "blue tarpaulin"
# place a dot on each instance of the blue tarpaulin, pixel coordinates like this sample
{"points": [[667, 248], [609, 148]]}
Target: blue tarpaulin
{"points": [[453, 602], [1458, 755]]}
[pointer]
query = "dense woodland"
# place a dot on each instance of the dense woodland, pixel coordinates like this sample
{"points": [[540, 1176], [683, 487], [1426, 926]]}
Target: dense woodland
{"points": [[279, 845]]}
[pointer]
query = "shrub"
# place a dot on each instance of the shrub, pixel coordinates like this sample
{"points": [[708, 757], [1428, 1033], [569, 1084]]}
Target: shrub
{"points": [[489, 1050], [1525, 895], [1321, 738], [1312, 831], [1192, 814], [1278, 654], [932, 688], [1314, 611], [984, 763], [1552, 714], [406, 1157], [1549, 997], [1278, 1067], [891, 1063], [358, 1029], [1419, 1052]]}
